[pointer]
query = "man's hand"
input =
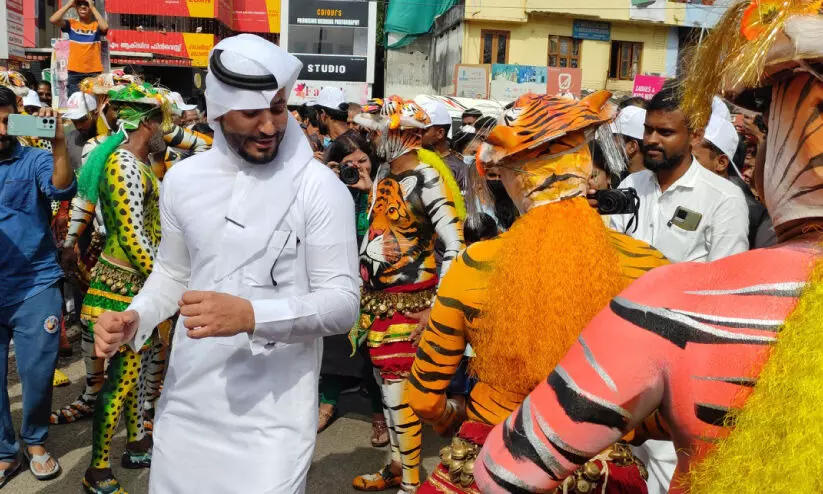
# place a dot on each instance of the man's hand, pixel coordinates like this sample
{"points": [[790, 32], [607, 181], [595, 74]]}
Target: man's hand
{"points": [[211, 314], [45, 111], [422, 319], [112, 330]]}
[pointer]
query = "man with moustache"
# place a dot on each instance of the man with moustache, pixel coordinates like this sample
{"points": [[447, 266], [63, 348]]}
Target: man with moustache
{"points": [[686, 212], [259, 255]]}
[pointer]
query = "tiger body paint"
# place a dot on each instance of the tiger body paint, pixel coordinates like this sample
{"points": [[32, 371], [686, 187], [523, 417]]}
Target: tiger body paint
{"points": [[413, 202], [727, 351]]}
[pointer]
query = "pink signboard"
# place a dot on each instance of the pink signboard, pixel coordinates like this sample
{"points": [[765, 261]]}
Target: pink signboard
{"points": [[647, 86]]}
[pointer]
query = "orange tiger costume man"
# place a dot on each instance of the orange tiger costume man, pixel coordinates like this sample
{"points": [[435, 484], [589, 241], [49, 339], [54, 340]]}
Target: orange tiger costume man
{"points": [[729, 352], [522, 298], [414, 201]]}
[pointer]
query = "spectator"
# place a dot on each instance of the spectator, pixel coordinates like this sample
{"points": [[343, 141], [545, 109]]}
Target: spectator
{"points": [[81, 111], [84, 40], [470, 116], [436, 138], [628, 128], [716, 151], [44, 91], [332, 114], [686, 212], [635, 101], [354, 110], [31, 103], [30, 298]]}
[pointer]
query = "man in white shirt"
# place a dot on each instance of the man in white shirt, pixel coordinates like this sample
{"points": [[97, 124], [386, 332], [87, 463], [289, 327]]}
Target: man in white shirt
{"points": [[258, 251], [686, 211]]}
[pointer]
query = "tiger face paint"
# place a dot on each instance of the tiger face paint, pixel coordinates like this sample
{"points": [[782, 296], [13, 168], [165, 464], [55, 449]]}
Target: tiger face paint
{"points": [[396, 124], [793, 168]]}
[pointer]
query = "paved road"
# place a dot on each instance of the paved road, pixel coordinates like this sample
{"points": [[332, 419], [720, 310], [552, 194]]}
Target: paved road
{"points": [[343, 450]]}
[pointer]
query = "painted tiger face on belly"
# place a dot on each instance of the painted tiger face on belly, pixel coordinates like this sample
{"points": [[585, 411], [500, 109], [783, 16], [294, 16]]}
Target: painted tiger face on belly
{"points": [[395, 250]]}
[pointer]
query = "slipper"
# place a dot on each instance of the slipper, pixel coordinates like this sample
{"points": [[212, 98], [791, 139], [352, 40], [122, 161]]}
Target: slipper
{"points": [[42, 460], [60, 379], [9, 473]]}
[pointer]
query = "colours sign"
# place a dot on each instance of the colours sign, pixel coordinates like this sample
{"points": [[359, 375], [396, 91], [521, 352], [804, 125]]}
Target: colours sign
{"points": [[647, 86], [509, 82], [194, 46], [471, 81]]}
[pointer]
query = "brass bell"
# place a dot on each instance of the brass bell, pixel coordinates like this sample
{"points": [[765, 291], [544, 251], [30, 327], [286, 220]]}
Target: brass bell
{"points": [[124, 291], [445, 455], [466, 480], [456, 469], [583, 486], [459, 449], [468, 467], [567, 485], [591, 471], [382, 308], [400, 306]]}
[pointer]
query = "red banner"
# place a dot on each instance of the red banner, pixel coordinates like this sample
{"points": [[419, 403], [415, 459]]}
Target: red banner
{"points": [[256, 16], [171, 8], [194, 46]]}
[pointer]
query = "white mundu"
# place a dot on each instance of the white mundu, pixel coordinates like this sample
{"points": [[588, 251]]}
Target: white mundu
{"points": [[239, 414]]}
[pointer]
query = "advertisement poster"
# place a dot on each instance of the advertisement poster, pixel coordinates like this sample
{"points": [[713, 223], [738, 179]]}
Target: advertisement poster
{"points": [[256, 16], [471, 81], [12, 46], [648, 10], [305, 91], [171, 8], [194, 46], [509, 82], [647, 86], [59, 73], [564, 81]]}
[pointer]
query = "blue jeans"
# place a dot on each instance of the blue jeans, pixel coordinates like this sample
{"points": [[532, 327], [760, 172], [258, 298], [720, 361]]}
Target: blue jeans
{"points": [[34, 325]]}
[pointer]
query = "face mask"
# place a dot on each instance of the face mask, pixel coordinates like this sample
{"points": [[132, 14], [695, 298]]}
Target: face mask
{"points": [[326, 141], [469, 160]]}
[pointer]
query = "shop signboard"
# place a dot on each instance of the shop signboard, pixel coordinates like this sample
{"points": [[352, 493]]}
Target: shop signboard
{"points": [[593, 30], [193, 46], [471, 81], [646, 86], [305, 91], [564, 81]]}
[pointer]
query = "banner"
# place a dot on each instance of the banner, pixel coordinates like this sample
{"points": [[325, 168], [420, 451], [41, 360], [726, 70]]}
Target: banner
{"points": [[471, 81], [13, 40], [333, 68], [171, 8], [509, 82], [256, 16], [564, 81], [348, 14], [304, 91], [647, 86], [59, 73], [194, 46]]}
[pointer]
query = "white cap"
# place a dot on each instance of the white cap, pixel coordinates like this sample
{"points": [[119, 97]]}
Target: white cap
{"points": [[438, 113], [722, 134], [32, 99], [720, 110], [177, 100], [330, 97], [629, 122], [79, 105]]}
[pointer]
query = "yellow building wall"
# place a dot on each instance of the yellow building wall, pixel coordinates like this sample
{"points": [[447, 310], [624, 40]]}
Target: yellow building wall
{"points": [[529, 45], [607, 10]]}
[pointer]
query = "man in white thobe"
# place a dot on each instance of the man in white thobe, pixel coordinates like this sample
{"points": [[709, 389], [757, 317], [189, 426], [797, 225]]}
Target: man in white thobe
{"points": [[258, 251]]}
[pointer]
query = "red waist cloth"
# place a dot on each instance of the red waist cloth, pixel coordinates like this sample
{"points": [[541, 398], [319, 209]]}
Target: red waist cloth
{"points": [[391, 350]]}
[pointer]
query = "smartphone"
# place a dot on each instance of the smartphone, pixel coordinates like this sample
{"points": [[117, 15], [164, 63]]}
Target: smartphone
{"points": [[32, 126]]}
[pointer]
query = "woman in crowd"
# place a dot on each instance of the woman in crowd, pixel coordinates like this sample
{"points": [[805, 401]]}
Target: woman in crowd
{"points": [[342, 368]]}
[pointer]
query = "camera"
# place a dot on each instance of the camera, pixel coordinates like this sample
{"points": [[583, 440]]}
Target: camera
{"points": [[350, 175], [617, 201]]}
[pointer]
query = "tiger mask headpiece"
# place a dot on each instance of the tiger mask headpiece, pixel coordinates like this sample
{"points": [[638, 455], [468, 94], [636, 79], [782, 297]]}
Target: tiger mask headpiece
{"points": [[540, 146], [14, 81], [399, 124], [767, 55]]}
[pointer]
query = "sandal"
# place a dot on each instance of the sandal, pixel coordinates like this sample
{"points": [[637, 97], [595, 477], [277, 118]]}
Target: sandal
{"points": [[10, 472], [379, 433], [79, 409], [379, 481], [325, 419], [42, 460], [134, 460], [60, 379]]}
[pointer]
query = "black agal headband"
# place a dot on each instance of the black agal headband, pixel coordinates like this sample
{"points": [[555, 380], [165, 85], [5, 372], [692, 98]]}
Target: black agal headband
{"points": [[241, 81]]}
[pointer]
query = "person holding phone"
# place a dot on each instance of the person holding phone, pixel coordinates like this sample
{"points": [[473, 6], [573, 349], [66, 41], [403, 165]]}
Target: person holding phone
{"points": [[30, 296], [85, 34]]}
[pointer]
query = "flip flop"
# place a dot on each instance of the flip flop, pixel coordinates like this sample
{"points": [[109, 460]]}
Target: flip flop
{"points": [[42, 460], [10, 472]]}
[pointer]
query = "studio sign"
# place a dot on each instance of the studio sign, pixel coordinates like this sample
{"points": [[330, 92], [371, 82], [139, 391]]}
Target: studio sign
{"points": [[332, 68]]}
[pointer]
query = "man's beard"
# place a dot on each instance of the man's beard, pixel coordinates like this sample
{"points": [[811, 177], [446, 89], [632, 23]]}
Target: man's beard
{"points": [[322, 128], [236, 142], [5, 143], [666, 162]]}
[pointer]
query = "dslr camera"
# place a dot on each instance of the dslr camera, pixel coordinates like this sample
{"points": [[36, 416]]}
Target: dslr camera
{"points": [[349, 175], [616, 201]]}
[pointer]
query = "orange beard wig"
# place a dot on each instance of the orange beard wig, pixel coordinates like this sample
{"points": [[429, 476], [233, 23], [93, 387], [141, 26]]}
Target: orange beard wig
{"points": [[556, 270]]}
